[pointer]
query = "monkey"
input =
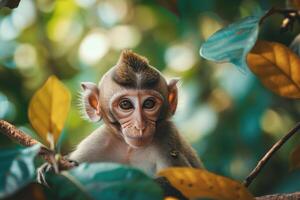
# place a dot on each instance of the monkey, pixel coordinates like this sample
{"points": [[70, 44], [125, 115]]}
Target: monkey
{"points": [[136, 104]]}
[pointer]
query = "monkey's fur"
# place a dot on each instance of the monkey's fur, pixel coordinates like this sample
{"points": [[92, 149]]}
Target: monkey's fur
{"points": [[108, 144]]}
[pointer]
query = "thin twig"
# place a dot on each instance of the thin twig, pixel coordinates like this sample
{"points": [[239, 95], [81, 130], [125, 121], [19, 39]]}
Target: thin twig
{"points": [[269, 154], [267, 14], [24, 139], [283, 11], [289, 17]]}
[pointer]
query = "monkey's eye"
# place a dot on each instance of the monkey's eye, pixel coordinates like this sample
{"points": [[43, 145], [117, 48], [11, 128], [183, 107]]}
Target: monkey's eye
{"points": [[125, 104], [149, 103]]}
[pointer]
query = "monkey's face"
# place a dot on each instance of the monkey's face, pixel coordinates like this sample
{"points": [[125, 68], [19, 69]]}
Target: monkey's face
{"points": [[137, 112]]}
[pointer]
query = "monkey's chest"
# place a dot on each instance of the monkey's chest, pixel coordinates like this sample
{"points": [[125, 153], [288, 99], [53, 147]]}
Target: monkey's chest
{"points": [[146, 160]]}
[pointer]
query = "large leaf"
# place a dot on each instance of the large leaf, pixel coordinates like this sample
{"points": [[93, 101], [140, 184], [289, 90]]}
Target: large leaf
{"points": [[197, 183], [16, 169], [49, 108], [62, 187], [114, 181], [277, 67], [232, 43], [295, 158]]}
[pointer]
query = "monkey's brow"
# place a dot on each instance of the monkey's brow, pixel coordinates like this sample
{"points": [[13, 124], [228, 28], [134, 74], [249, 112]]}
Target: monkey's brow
{"points": [[125, 92], [133, 83]]}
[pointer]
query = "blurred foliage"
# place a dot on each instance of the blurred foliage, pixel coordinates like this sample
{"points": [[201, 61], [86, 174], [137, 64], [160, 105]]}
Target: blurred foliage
{"points": [[17, 169], [229, 117]]}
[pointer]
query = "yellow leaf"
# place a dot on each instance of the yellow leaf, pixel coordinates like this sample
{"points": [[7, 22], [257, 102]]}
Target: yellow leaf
{"points": [[295, 158], [197, 183], [48, 109], [277, 67]]}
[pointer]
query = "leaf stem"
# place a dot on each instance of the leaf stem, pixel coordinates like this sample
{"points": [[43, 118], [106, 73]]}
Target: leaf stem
{"points": [[283, 11], [269, 154]]}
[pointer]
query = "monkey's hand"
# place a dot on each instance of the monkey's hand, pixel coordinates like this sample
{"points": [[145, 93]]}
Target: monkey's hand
{"points": [[47, 167], [41, 171]]}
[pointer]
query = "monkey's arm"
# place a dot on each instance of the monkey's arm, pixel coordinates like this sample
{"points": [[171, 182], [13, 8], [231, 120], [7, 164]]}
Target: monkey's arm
{"points": [[190, 154], [176, 151], [193, 158]]}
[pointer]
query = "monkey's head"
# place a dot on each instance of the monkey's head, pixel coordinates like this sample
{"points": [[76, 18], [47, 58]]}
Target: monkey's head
{"points": [[132, 98]]}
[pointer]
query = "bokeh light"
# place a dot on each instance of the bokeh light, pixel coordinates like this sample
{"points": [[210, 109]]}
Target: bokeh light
{"points": [[123, 36], [111, 12], [201, 122], [25, 56], [235, 83], [24, 16], [12, 25], [7, 109], [180, 57], [93, 47], [85, 3]]}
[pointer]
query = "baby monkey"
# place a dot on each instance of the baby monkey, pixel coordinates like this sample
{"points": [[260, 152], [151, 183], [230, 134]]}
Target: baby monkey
{"points": [[135, 103]]}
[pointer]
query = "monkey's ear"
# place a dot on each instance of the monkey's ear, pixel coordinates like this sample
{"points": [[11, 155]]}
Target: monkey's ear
{"points": [[90, 99], [173, 95]]}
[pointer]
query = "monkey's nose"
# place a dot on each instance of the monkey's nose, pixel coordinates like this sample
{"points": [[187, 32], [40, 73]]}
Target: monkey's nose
{"points": [[140, 130], [140, 127]]}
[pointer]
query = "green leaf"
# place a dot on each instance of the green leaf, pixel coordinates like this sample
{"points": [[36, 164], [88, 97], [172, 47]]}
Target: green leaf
{"points": [[232, 43], [16, 169], [114, 181], [64, 187]]}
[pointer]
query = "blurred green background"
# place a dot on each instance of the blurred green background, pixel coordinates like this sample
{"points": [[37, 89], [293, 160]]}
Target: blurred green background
{"points": [[228, 116]]}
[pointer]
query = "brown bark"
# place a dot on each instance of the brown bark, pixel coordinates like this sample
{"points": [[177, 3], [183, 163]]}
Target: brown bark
{"points": [[291, 196], [22, 138]]}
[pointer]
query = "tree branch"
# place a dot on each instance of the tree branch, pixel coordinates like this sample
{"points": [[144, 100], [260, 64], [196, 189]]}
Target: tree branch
{"points": [[22, 138], [291, 196], [269, 154]]}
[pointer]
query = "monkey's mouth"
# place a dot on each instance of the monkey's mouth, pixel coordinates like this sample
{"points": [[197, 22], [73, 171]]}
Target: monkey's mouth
{"points": [[137, 137], [138, 141]]}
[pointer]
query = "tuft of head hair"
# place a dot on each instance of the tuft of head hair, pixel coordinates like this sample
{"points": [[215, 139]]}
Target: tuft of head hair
{"points": [[133, 70], [136, 62]]}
